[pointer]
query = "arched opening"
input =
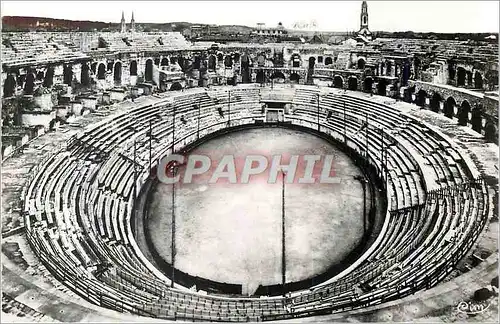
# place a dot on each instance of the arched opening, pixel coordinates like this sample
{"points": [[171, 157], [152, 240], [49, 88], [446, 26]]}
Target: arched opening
{"points": [[49, 77], [176, 86], [295, 60], [435, 102], [164, 61], [469, 78], [490, 131], [29, 84], [101, 71], [236, 57], [148, 73], [260, 77], [389, 68], [228, 61], [368, 85], [463, 114], [361, 64], [312, 62], [133, 68], [197, 62], [352, 83], [449, 107], [245, 71], [212, 62], [220, 57], [382, 87], [476, 119], [278, 77], [338, 82], [39, 76], [85, 74], [461, 77], [9, 87], [157, 61], [478, 80], [67, 74], [117, 73], [294, 78], [328, 60], [421, 96]]}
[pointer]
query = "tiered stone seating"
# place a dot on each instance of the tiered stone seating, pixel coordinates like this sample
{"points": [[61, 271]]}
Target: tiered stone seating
{"points": [[80, 202], [144, 41], [36, 48]]}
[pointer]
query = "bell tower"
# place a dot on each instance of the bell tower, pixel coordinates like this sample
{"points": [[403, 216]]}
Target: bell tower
{"points": [[132, 23], [364, 15], [364, 33], [123, 25]]}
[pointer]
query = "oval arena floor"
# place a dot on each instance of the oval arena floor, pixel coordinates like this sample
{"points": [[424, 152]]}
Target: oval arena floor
{"points": [[232, 232]]}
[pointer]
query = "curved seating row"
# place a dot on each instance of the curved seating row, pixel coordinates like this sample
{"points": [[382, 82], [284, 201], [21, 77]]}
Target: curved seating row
{"points": [[80, 204]]}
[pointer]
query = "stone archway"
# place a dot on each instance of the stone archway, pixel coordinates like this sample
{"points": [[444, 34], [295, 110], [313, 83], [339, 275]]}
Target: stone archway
{"points": [[294, 78], [421, 97], [490, 131], [176, 86], [352, 83], [476, 118], [29, 84], [260, 77], [49, 77], [478, 80], [148, 72], [463, 114], [449, 107], [361, 64], [368, 85], [435, 102], [461, 75], [212, 62], [312, 62], [228, 61], [338, 82], [101, 71], [67, 74], [381, 87], [9, 86], [117, 73], [164, 61], [85, 74], [133, 68], [328, 60], [278, 77]]}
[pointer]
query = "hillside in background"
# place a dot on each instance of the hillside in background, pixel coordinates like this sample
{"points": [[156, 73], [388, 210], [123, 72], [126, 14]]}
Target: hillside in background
{"points": [[19, 23]]}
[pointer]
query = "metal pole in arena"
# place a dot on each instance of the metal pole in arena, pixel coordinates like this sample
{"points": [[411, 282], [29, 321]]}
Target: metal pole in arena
{"points": [[283, 250], [174, 172]]}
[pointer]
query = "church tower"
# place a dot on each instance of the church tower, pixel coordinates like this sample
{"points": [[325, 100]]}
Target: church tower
{"points": [[123, 25], [364, 32], [364, 15], [132, 23]]}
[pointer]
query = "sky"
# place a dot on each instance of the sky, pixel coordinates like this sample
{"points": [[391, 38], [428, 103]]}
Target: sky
{"points": [[420, 16]]}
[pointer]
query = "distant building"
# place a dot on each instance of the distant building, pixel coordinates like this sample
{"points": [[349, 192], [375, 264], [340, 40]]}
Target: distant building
{"points": [[123, 25], [364, 33], [276, 31]]}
